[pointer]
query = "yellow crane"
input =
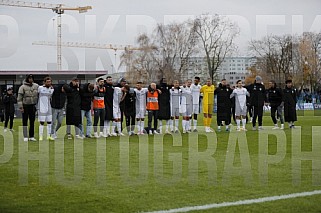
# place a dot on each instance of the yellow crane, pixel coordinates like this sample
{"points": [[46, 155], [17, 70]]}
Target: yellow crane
{"points": [[57, 8]]}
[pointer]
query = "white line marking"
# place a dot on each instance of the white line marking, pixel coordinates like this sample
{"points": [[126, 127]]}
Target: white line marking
{"points": [[240, 202]]}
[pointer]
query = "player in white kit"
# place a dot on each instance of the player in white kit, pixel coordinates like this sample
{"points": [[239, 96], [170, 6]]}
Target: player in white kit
{"points": [[140, 107], [187, 105], [44, 107], [119, 95], [240, 94], [196, 91], [175, 99]]}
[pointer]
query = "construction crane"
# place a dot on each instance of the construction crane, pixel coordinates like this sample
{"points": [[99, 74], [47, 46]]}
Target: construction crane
{"points": [[88, 45], [91, 45], [57, 8]]}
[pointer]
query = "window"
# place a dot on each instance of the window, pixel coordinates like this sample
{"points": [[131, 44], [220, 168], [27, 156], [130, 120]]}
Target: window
{"points": [[231, 77], [231, 82], [237, 78]]}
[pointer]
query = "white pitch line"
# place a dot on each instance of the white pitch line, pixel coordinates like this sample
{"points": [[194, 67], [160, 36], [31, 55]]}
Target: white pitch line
{"points": [[240, 202]]}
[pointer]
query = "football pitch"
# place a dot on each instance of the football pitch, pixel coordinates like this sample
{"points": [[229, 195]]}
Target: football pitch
{"points": [[253, 171]]}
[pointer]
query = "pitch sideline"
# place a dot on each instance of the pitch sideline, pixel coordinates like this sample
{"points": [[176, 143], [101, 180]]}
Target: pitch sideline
{"points": [[240, 202]]}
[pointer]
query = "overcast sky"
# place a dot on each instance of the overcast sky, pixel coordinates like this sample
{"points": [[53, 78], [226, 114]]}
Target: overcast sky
{"points": [[119, 22]]}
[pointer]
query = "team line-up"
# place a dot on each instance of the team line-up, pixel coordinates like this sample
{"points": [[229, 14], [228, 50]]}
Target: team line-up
{"points": [[109, 104]]}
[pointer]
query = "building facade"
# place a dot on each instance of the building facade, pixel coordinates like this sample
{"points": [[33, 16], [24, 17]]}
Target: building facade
{"points": [[235, 68], [197, 66], [232, 68]]}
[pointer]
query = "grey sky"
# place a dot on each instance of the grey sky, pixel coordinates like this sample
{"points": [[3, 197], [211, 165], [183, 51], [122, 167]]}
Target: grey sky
{"points": [[118, 22]]}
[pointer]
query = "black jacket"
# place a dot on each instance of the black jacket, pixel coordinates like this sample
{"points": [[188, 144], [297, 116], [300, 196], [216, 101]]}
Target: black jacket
{"points": [[58, 98], [257, 94], [9, 101], [73, 111], [86, 97], [290, 100], [223, 96], [275, 96], [1, 101], [130, 103], [109, 97], [224, 103], [164, 112]]}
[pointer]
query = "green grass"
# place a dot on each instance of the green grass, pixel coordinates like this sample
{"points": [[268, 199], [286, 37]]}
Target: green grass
{"points": [[151, 189]]}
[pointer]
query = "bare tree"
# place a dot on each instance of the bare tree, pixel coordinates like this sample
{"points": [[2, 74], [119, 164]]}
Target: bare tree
{"points": [[276, 51], [216, 34], [166, 55], [287, 56], [176, 43], [139, 61]]}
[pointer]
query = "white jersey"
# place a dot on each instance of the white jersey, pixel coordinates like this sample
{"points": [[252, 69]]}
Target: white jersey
{"points": [[141, 99], [240, 96], [175, 97], [187, 101], [117, 97], [44, 94], [196, 90]]}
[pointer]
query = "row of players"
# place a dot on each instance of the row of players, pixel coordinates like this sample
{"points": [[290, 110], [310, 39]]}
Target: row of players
{"points": [[108, 104]]}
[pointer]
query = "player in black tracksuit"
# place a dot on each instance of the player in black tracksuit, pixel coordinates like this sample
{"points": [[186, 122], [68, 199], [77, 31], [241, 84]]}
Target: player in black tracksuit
{"points": [[258, 97], [9, 100], [109, 96], [290, 99], [73, 107], [130, 111], [164, 112], [275, 98], [249, 107], [224, 104]]}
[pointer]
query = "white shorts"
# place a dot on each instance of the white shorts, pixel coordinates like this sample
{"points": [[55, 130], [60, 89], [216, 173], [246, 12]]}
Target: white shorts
{"points": [[141, 113], [175, 112], [241, 111], [196, 109], [116, 113], [186, 109], [187, 112], [45, 118]]}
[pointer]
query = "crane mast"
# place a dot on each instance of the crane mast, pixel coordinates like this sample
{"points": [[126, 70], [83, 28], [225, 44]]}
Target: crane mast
{"points": [[56, 8]]}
